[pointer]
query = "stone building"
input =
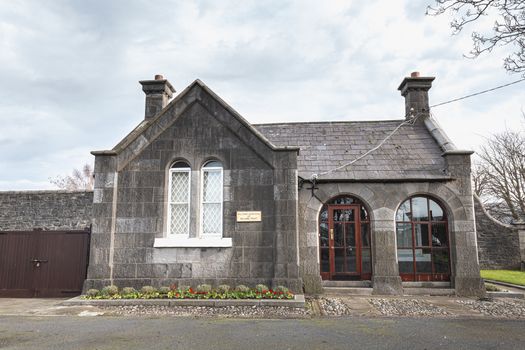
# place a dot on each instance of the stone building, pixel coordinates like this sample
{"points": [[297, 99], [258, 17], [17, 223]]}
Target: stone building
{"points": [[196, 194]]}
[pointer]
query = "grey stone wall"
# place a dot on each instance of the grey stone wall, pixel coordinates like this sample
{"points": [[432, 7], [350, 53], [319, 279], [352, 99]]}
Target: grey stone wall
{"points": [[46, 210], [130, 203], [498, 244]]}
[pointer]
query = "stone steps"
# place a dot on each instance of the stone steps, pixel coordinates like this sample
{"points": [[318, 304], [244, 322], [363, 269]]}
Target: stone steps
{"points": [[347, 290], [347, 284], [429, 291]]}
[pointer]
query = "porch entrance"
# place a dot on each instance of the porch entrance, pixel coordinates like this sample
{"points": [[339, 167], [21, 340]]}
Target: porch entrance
{"points": [[344, 240]]}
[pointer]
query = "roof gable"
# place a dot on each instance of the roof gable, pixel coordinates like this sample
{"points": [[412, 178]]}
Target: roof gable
{"points": [[197, 92]]}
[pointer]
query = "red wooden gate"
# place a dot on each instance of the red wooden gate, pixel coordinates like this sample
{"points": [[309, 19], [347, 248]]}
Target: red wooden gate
{"points": [[43, 263]]}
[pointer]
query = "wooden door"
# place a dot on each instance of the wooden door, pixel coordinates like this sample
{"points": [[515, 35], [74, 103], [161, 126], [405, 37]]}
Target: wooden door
{"points": [[43, 263], [344, 241]]}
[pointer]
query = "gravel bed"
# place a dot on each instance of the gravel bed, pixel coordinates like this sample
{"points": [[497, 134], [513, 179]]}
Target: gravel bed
{"points": [[406, 307], [505, 308], [204, 311], [333, 307]]}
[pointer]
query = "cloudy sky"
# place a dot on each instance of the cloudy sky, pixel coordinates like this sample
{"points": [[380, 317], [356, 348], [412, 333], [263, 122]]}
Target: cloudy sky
{"points": [[70, 69]]}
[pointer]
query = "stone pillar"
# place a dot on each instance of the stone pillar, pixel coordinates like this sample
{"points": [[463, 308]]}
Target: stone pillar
{"points": [[286, 244], [520, 226], [464, 248], [385, 278], [101, 246]]}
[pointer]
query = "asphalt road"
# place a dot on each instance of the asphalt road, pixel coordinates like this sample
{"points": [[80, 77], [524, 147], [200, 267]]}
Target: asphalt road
{"points": [[73, 332]]}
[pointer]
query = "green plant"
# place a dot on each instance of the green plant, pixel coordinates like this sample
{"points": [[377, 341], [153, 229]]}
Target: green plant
{"points": [[204, 288], [281, 289], [261, 288], [128, 291], [242, 288], [184, 288], [164, 290], [92, 293], [223, 288], [148, 290], [109, 290]]}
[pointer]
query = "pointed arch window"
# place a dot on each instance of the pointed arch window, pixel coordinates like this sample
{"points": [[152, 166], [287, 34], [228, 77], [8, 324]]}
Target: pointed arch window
{"points": [[179, 200]]}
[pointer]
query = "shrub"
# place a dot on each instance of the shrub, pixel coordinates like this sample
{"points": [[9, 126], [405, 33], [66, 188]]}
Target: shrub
{"points": [[242, 288], [109, 290], [164, 290], [204, 288], [148, 290], [223, 288], [92, 293], [261, 288], [128, 290], [282, 289], [184, 288]]}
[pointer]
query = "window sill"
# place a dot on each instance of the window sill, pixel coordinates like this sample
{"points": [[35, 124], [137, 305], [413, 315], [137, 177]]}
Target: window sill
{"points": [[185, 242]]}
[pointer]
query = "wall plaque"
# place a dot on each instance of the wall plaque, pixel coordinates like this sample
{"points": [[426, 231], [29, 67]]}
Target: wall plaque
{"points": [[248, 216]]}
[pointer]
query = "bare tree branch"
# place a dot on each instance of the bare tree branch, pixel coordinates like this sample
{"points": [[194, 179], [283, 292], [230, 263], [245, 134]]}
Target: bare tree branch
{"points": [[499, 175], [78, 180], [508, 28]]}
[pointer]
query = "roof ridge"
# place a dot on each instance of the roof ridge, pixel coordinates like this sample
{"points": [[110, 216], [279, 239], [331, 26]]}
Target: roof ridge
{"points": [[330, 122]]}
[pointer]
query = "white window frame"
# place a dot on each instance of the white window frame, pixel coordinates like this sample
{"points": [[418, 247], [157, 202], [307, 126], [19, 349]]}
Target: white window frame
{"points": [[170, 202], [202, 203]]}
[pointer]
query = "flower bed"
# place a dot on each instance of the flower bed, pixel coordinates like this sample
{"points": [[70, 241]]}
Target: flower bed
{"points": [[202, 291]]}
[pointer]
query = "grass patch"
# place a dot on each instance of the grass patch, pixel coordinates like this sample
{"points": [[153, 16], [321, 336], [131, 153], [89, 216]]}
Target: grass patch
{"points": [[509, 276]]}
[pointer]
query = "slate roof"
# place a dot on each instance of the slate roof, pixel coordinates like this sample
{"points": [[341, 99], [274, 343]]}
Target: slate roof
{"points": [[410, 154]]}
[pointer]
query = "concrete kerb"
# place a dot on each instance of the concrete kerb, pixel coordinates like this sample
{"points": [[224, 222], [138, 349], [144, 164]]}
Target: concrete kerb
{"points": [[297, 302]]}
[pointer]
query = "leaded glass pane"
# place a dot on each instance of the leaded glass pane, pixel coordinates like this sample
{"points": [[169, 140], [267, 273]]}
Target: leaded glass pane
{"points": [[212, 187], [211, 218], [180, 186], [179, 219]]}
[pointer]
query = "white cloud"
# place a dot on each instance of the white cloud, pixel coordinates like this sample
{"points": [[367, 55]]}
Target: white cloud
{"points": [[70, 70]]}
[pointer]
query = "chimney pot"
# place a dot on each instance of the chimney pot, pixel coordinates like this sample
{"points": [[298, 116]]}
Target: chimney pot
{"points": [[158, 93], [415, 91]]}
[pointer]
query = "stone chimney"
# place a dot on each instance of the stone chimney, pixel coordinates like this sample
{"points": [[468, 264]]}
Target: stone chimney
{"points": [[415, 91], [158, 93]]}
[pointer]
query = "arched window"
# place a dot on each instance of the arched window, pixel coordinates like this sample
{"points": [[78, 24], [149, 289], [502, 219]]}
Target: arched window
{"points": [[422, 240], [212, 185], [179, 199]]}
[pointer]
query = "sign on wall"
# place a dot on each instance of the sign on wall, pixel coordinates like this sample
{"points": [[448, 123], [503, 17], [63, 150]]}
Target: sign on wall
{"points": [[248, 216]]}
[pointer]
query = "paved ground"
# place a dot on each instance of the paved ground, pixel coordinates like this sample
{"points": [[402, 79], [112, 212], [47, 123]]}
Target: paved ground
{"points": [[73, 332], [367, 323]]}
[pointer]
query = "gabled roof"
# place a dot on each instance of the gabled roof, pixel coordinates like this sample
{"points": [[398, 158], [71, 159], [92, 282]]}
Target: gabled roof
{"points": [[411, 153]]}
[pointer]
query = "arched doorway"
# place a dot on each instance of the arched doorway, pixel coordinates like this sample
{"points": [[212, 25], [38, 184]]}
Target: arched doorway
{"points": [[422, 240], [344, 240]]}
